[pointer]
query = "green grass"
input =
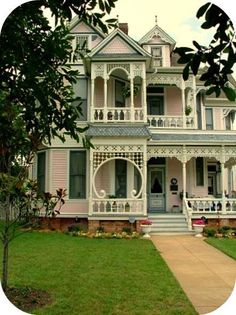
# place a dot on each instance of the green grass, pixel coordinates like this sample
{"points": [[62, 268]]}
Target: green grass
{"points": [[226, 245], [96, 276]]}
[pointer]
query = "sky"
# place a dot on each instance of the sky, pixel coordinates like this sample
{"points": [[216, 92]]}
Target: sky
{"points": [[177, 18]]}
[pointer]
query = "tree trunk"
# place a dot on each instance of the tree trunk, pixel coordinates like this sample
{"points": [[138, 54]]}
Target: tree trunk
{"points": [[5, 265]]}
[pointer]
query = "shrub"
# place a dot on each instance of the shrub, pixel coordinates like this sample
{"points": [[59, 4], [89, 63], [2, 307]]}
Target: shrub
{"points": [[127, 230], [209, 231]]}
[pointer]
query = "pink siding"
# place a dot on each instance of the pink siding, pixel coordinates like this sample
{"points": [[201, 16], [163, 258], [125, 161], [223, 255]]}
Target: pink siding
{"points": [[82, 28], [76, 207], [99, 92], [104, 178], [218, 118], [156, 40], [95, 42], [117, 46], [59, 169], [173, 101]]}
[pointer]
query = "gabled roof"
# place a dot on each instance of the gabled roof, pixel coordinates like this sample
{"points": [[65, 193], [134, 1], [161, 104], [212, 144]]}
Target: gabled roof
{"points": [[157, 31], [127, 44], [75, 22]]}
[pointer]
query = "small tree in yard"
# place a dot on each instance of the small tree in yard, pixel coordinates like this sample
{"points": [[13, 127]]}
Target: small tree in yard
{"points": [[219, 57], [36, 97]]}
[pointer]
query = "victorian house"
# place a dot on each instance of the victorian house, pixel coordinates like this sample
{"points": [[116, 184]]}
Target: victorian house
{"points": [[161, 148]]}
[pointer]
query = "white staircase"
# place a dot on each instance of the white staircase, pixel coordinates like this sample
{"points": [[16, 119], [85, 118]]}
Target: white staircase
{"points": [[168, 224]]}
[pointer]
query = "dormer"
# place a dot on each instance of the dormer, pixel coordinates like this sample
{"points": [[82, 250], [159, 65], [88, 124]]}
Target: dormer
{"points": [[160, 45], [86, 37]]}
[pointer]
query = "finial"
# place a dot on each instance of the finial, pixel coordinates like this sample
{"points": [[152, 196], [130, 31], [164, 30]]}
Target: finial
{"points": [[117, 22], [156, 19]]}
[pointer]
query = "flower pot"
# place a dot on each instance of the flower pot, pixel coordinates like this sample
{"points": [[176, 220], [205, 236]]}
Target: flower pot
{"points": [[198, 229], [146, 229]]}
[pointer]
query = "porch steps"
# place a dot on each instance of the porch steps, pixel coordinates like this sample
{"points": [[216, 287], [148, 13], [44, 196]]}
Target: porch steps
{"points": [[168, 224]]}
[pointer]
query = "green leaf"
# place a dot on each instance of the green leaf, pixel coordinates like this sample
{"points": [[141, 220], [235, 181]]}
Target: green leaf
{"points": [[201, 11], [195, 63], [186, 72], [230, 93]]}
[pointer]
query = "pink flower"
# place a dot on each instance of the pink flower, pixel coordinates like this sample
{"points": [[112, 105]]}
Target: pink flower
{"points": [[146, 222], [199, 222]]}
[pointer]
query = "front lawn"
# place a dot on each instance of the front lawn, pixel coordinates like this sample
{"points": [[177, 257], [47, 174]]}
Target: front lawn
{"points": [[96, 276], [226, 245]]}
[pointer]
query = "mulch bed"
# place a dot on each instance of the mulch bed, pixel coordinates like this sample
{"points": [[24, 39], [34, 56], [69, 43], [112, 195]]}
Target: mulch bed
{"points": [[28, 299]]}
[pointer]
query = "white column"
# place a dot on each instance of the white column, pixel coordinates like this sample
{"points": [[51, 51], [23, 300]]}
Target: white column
{"points": [[222, 165], [92, 101], [105, 99], [90, 182], [144, 192], [184, 179], [183, 106], [144, 100], [132, 98], [230, 181]]}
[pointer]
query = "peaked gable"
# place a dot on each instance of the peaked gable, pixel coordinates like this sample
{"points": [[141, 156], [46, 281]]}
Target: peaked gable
{"points": [[117, 42], [156, 34], [117, 46], [81, 26]]}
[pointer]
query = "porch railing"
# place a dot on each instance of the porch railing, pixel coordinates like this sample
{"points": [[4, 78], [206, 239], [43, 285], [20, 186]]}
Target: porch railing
{"points": [[212, 205], [180, 122], [117, 206], [116, 114]]}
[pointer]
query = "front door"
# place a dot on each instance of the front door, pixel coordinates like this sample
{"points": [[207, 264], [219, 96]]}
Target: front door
{"points": [[156, 189]]}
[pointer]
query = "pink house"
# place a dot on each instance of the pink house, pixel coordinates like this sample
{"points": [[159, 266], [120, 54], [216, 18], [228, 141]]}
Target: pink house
{"points": [[162, 149]]}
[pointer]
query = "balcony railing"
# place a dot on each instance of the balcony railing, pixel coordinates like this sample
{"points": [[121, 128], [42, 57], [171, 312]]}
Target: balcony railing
{"points": [[116, 114], [117, 206], [161, 121]]}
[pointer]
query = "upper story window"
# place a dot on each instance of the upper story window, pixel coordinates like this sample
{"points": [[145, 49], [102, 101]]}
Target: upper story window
{"points": [[209, 119], [82, 43], [157, 56], [155, 100], [119, 93], [81, 90], [77, 175], [229, 120]]}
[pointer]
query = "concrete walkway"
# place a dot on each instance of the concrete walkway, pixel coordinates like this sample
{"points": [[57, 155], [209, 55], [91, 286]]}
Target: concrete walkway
{"points": [[206, 275]]}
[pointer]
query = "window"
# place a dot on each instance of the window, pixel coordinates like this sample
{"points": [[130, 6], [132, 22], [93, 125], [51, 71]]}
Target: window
{"points": [[199, 171], [155, 100], [199, 112], [41, 170], [77, 183], [80, 89], [209, 119], [119, 97], [121, 178], [82, 43], [229, 120], [157, 56]]}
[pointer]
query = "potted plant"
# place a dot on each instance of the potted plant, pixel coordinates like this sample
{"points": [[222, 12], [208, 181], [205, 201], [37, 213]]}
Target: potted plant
{"points": [[198, 226], [126, 91], [146, 227], [188, 110]]}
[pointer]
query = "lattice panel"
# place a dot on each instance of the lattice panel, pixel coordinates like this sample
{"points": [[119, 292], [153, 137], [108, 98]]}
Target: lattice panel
{"points": [[100, 157], [99, 70], [165, 79], [125, 66]]}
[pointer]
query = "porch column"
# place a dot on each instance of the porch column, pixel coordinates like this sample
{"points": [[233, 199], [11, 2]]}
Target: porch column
{"points": [[92, 101], [105, 99], [144, 100], [184, 178], [145, 182], [90, 182], [132, 99], [230, 185], [183, 106], [222, 165]]}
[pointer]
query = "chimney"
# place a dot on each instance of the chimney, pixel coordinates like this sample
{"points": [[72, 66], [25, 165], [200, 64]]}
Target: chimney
{"points": [[124, 27]]}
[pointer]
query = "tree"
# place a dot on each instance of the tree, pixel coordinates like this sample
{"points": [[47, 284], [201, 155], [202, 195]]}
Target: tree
{"points": [[36, 92], [219, 58]]}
